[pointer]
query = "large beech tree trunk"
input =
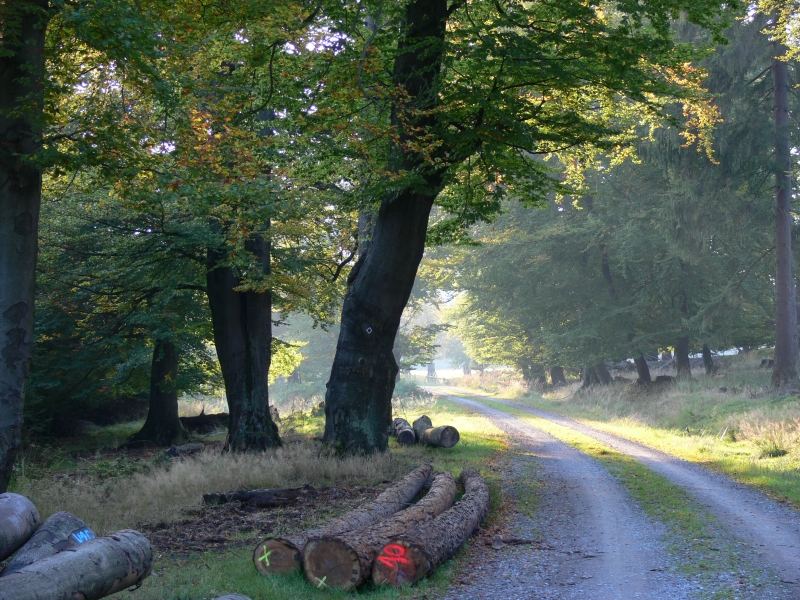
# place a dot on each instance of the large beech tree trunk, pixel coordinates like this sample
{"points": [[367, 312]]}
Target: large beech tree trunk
{"points": [[98, 568], [18, 520], [415, 554], [22, 32], [283, 555], [345, 561], [242, 322], [359, 394], [786, 344], [163, 426], [60, 531], [642, 370], [683, 366]]}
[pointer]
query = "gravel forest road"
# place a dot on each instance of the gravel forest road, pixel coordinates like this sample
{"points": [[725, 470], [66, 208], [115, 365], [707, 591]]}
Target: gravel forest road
{"points": [[594, 541]]}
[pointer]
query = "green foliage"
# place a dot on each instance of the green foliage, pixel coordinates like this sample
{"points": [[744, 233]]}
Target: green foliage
{"points": [[671, 245]]}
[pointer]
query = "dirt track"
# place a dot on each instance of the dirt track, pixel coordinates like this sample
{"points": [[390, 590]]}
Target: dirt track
{"points": [[584, 512]]}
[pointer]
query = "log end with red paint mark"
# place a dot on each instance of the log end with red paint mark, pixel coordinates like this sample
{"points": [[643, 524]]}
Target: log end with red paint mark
{"points": [[400, 563]]}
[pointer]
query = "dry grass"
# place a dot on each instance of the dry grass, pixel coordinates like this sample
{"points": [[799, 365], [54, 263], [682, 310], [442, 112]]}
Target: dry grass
{"points": [[163, 492], [773, 439]]}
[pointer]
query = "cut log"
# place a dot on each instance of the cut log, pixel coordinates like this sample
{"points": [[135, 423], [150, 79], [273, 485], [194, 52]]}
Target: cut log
{"points": [[60, 531], [265, 498], [420, 425], [96, 569], [18, 520], [284, 555], [444, 436], [345, 561], [403, 431], [408, 558]]}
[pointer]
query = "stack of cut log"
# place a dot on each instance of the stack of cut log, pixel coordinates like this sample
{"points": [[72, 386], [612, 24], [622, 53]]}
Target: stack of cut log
{"points": [[422, 431], [62, 558], [392, 539]]}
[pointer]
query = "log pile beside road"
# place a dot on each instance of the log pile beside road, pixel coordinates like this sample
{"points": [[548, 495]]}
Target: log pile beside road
{"points": [[422, 431], [62, 558], [389, 541]]}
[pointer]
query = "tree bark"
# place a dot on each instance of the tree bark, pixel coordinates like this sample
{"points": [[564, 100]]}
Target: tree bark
{"points": [[18, 520], [557, 376], [786, 344], [403, 432], [642, 370], [242, 323], [98, 568], [708, 361], [602, 374], [358, 399], [60, 531], [412, 556], [163, 426], [283, 555], [22, 33], [345, 561], [683, 366]]}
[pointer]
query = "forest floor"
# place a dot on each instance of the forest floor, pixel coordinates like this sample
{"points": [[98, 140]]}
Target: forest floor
{"points": [[201, 552]]}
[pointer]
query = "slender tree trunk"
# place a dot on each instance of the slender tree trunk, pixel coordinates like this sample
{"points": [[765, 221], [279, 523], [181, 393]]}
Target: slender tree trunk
{"points": [[602, 374], [22, 32], [642, 370], [708, 361], [557, 376], [682, 365], [786, 344], [358, 398], [162, 426], [242, 322]]}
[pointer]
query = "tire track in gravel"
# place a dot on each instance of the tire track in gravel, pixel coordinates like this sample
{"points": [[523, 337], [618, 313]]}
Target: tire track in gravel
{"points": [[595, 540], [766, 529]]}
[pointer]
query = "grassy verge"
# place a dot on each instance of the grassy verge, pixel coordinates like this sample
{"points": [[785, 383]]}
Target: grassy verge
{"points": [[733, 423]]}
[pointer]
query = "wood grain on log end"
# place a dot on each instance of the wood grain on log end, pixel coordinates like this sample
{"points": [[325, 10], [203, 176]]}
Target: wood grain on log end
{"points": [[276, 555], [331, 563], [446, 436], [400, 563]]}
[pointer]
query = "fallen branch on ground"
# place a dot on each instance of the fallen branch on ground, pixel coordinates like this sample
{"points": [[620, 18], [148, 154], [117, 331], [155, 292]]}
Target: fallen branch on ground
{"points": [[265, 498]]}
